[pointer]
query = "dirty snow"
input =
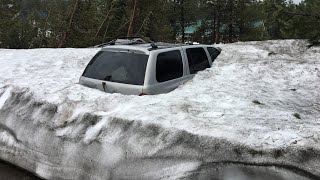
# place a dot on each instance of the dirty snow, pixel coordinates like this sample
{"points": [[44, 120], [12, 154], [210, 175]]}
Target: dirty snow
{"points": [[259, 98]]}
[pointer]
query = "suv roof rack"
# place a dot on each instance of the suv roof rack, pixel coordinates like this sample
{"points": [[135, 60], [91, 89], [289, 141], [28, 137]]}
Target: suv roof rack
{"points": [[123, 41], [191, 43], [153, 46]]}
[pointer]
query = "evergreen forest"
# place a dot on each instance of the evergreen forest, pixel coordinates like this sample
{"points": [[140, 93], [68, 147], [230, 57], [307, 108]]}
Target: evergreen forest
{"points": [[85, 23]]}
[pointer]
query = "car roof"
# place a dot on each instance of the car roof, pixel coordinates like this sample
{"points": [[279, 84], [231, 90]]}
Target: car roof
{"points": [[147, 47]]}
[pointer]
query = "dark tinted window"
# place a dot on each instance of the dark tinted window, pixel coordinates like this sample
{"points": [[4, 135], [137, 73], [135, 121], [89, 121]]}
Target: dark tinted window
{"points": [[197, 59], [169, 66], [117, 66], [213, 53]]}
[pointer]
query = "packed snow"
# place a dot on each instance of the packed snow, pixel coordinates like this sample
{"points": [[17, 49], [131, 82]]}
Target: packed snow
{"points": [[259, 103]]}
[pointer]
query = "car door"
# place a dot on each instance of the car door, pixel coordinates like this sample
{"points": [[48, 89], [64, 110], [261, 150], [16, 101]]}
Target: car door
{"points": [[169, 71], [197, 59]]}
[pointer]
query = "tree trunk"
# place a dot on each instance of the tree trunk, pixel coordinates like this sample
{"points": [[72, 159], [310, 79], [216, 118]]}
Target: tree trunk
{"points": [[214, 28], [241, 23], [65, 34], [44, 33], [132, 14], [230, 33], [182, 20], [105, 31], [219, 14]]}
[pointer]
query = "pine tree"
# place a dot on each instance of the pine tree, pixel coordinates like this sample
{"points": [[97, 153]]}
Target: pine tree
{"points": [[9, 29], [273, 10]]}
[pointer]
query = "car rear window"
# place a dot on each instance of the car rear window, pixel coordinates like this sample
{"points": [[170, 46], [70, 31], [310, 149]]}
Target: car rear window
{"points": [[197, 59], [169, 66], [118, 66], [213, 53]]}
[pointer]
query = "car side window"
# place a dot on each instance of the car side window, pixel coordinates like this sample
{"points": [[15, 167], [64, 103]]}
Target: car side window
{"points": [[213, 53], [197, 59], [169, 66]]}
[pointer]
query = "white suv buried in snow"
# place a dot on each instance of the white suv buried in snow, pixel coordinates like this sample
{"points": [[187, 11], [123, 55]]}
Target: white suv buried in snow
{"points": [[146, 69]]}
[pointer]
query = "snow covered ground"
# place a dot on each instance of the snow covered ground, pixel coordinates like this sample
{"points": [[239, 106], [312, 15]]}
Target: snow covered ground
{"points": [[259, 103]]}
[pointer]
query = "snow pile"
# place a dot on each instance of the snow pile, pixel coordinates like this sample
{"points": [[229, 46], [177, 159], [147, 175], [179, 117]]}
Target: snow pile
{"points": [[259, 103]]}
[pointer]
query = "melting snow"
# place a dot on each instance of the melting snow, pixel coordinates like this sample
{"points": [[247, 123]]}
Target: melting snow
{"points": [[260, 95]]}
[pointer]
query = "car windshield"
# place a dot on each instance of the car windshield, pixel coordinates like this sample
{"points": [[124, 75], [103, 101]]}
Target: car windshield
{"points": [[118, 66]]}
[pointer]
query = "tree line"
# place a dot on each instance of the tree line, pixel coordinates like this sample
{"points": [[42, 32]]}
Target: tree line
{"points": [[84, 23]]}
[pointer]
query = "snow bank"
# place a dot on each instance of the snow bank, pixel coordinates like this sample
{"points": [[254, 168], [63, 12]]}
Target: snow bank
{"points": [[259, 103]]}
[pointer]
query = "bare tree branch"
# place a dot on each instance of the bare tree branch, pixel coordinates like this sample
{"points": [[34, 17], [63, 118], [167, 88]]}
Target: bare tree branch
{"points": [[144, 21], [302, 14], [65, 34], [105, 19]]}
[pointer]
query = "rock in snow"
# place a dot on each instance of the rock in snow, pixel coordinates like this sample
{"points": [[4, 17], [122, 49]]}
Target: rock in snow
{"points": [[259, 104]]}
